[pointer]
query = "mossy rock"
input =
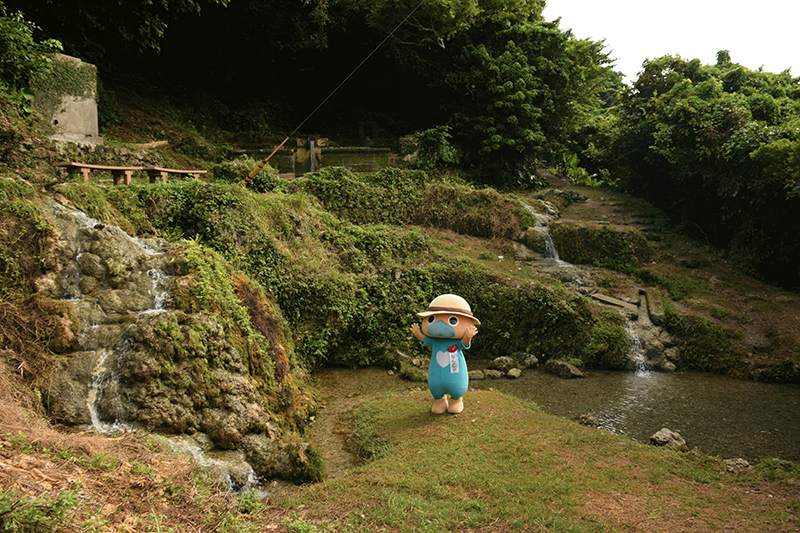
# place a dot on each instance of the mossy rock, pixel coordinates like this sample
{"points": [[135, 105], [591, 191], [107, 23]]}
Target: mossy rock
{"points": [[611, 246]]}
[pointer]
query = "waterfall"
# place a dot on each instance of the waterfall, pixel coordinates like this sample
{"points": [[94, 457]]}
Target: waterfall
{"points": [[635, 350], [541, 225], [113, 281]]}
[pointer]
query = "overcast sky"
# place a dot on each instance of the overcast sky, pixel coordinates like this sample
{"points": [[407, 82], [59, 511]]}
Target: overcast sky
{"points": [[758, 33]]}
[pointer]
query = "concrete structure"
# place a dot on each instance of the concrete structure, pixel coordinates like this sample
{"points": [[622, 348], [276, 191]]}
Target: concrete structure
{"points": [[67, 102]]}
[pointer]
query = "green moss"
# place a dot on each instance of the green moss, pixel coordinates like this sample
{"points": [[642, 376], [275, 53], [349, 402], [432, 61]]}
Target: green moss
{"points": [[707, 346], [64, 79], [615, 247], [608, 345], [26, 239]]}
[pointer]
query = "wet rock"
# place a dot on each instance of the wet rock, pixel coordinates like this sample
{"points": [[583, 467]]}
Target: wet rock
{"points": [[587, 419], [262, 454], [525, 360], [503, 363], [523, 253], [669, 439], [535, 240], [231, 470], [736, 466], [563, 369]]}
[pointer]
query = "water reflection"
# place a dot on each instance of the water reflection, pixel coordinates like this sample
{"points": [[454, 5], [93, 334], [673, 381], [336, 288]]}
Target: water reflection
{"points": [[718, 415]]}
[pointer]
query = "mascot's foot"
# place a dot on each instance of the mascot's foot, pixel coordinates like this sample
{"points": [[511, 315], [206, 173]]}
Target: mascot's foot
{"points": [[456, 406], [440, 406]]}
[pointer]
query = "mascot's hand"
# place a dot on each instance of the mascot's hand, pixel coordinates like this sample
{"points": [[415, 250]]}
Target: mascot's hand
{"points": [[468, 334], [416, 332]]}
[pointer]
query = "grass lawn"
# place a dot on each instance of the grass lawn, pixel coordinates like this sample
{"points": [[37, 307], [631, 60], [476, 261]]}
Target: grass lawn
{"points": [[502, 465]]}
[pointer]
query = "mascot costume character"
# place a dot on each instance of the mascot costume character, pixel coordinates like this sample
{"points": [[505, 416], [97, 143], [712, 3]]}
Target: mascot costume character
{"points": [[448, 328]]}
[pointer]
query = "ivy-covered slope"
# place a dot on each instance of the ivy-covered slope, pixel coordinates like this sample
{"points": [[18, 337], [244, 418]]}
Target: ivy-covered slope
{"points": [[349, 260]]}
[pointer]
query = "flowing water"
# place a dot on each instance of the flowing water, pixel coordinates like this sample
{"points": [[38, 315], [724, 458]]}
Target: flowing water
{"points": [[717, 415]]}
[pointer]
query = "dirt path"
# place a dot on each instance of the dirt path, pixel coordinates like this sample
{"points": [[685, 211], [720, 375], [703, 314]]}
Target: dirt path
{"points": [[343, 391]]}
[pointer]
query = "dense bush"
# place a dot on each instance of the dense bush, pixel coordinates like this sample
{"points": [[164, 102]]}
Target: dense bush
{"points": [[717, 148], [350, 291]]}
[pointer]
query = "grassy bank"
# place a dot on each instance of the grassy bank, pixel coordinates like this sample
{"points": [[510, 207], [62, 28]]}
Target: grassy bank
{"points": [[504, 466], [501, 466]]}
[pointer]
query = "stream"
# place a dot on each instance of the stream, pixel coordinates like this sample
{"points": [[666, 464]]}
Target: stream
{"points": [[717, 415]]}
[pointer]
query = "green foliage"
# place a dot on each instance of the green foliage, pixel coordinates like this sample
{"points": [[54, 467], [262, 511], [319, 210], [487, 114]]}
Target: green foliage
{"points": [[707, 346], [393, 196], [514, 90], [250, 503], [615, 247], [22, 59], [138, 26], [608, 346], [716, 147], [19, 513], [430, 149]]}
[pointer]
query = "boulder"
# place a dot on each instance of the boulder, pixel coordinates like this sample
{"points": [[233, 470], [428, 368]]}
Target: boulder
{"points": [[514, 373], [525, 360], [503, 363], [477, 375], [587, 419], [669, 439], [563, 369]]}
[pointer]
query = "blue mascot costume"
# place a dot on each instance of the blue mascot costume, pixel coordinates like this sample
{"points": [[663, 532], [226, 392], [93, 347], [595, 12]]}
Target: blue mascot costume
{"points": [[448, 328]]}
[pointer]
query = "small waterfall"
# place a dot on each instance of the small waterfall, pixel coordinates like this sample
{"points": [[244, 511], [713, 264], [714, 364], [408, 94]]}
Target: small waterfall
{"points": [[100, 377], [542, 222], [159, 291], [113, 281], [636, 351], [550, 249]]}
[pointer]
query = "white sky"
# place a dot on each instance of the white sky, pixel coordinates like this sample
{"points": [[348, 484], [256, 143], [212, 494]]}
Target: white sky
{"points": [[758, 33]]}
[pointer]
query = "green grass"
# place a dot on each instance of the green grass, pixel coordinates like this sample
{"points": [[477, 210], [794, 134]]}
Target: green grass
{"points": [[503, 466]]}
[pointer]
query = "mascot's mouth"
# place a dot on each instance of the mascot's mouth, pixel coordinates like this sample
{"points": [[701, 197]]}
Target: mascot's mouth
{"points": [[441, 329]]}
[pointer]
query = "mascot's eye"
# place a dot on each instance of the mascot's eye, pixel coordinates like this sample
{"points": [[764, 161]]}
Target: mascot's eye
{"points": [[431, 319], [453, 320]]}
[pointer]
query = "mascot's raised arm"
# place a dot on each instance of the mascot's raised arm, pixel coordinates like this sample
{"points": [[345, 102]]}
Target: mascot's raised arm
{"points": [[448, 328]]}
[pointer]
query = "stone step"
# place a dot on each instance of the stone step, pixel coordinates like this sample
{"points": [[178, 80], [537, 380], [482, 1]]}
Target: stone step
{"points": [[613, 301]]}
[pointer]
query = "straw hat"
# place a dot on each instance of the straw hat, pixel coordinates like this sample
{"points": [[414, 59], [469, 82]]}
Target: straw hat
{"points": [[450, 304]]}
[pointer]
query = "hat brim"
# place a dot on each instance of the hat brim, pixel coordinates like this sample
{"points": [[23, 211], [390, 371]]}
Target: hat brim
{"points": [[459, 313]]}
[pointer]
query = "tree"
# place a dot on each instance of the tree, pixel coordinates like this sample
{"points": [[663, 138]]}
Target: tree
{"points": [[90, 28], [717, 148], [22, 59], [515, 90]]}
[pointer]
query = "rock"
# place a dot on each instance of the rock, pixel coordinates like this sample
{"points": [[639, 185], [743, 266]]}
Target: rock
{"points": [[587, 419], [476, 374], [493, 374], [736, 466], [503, 364], [525, 360], [262, 453], [563, 369], [669, 439], [523, 253], [231, 470], [514, 373], [536, 238], [655, 306]]}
